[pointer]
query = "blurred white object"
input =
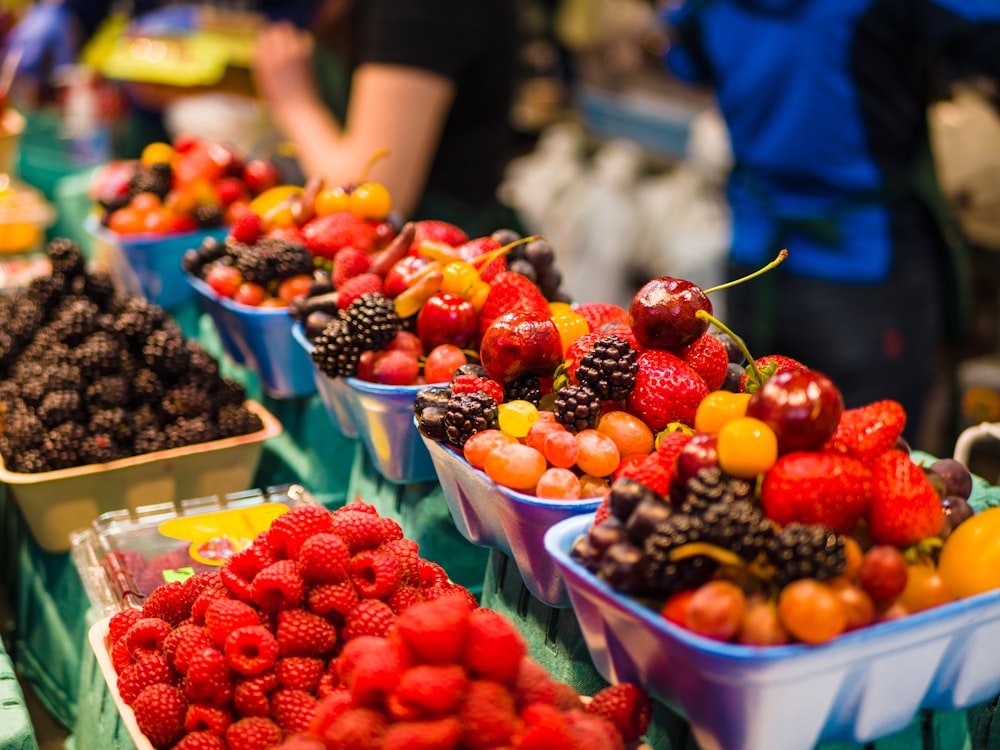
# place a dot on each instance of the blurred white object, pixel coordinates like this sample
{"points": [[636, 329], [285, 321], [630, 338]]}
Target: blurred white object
{"points": [[709, 152], [239, 121]]}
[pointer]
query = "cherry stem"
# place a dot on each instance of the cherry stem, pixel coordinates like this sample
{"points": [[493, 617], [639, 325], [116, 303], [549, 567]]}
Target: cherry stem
{"points": [[382, 152], [756, 374], [773, 264]]}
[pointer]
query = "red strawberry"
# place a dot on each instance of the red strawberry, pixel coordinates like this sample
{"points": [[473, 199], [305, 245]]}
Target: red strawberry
{"points": [[347, 264], [159, 712], [624, 331], [626, 706], [669, 446], [326, 235], [511, 291], [600, 314], [353, 288], [289, 233], [708, 357], [868, 431], [647, 470], [768, 366], [666, 390], [813, 487], [904, 507], [246, 228], [437, 231]]}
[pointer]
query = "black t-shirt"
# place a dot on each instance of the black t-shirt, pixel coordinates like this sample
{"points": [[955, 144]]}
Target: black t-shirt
{"points": [[474, 45]]}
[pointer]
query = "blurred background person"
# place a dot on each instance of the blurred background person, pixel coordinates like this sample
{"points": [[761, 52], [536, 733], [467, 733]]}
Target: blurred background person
{"points": [[430, 83], [826, 105]]}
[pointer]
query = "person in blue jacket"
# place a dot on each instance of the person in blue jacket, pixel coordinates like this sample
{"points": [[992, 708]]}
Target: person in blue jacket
{"points": [[826, 104]]}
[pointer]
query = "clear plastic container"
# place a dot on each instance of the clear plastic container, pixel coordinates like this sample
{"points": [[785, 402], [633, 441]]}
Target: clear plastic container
{"points": [[499, 518], [260, 338], [149, 264], [124, 554], [56, 503]]}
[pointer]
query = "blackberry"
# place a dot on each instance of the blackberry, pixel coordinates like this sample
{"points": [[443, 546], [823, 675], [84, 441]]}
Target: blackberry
{"points": [[233, 420], [665, 575], [202, 362], [577, 408], [148, 180], [207, 215], [806, 551], [144, 417], [10, 349], [148, 386], [165, 353], [74, 320], [150, 440], [60, 446], [710, 486], [372, 319], [99, 354], [468, 413], [623, 566], [739, 526], [523, 388], [57, 407], [65, 257], [25, 318], [189, 431], [434, 395], [113, 421], [625, 496], [648, 514], [109, 391], [192, 263], [272, 259], [137, 321], [99, 448], [185, 399], [43, 291], [99, 286], [336, 351], [33, 391], [111, 202], [63, 376], [29, 461], [21, 429], [609, 368], [226, 391]]}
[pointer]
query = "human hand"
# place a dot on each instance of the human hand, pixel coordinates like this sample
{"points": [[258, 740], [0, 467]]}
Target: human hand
{"points": [[282, 65], [45, 34]]}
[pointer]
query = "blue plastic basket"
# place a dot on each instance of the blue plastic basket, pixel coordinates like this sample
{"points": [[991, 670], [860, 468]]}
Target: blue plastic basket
{"points": [[260, 338], [149, 264], [381, 415], [861, 686], [500, 518]]}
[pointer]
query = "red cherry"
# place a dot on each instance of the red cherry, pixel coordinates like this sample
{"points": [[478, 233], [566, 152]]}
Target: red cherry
{"points": [[442, 361], [447, 319], [402, 273], [224, 280], [294, 286], [260, 175], [250, 294]]}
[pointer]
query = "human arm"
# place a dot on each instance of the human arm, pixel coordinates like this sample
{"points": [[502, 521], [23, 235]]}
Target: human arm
{"points": [[395, 108]]}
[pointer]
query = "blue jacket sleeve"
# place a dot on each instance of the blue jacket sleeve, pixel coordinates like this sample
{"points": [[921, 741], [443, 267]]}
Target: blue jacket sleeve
{"points": [[684, 57]]}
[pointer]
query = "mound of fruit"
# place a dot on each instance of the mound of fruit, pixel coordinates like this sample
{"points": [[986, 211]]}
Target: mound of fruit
{"points": [[89, 375], [180, 187], [329, 632]]}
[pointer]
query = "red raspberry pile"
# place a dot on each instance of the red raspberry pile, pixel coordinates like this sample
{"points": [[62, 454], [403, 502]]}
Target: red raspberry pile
{"points": [[330, 631]]}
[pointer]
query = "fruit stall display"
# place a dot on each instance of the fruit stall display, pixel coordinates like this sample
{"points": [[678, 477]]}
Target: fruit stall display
{"points": [[100, 385], [330, 632], [149, 211]]}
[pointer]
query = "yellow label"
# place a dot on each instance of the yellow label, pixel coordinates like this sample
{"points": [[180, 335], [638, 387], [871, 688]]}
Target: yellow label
{"points": [[215, 537]]}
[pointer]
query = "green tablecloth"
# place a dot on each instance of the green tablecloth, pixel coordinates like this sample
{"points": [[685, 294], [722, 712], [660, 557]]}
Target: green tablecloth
{"points": [[16, 732]]}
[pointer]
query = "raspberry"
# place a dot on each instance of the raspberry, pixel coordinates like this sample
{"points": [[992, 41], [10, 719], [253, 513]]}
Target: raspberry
{"points": [[135, 678], [299, 672], [332, 597], [357, 505], [626, 706], [432, 574], [435, 632], [121, 621], [253, 733], [200, 741], [327, 685], [302, 633], [360, 530], [356, 729], [278, 586], [487, 714], [291, 529], [423, 735], [182, 644], [247, 228], [393, 531], [250, 696], [403, 598], [121, 659], [147, 633], [223, 616], [648, 471], [544, 729], [239, 570], [334, 704], [204, 717], [493, 646], [347, 264], [427, 690], [375, 574], [406, 552], [159, 712], [208, 595], [591, 732], [450, 591], [251, 650], [197, 583], [301, 741], [354, 288], [324, 558], [368, 617], [534, 684], [293, 710], [209, 678], [468, 383]]}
